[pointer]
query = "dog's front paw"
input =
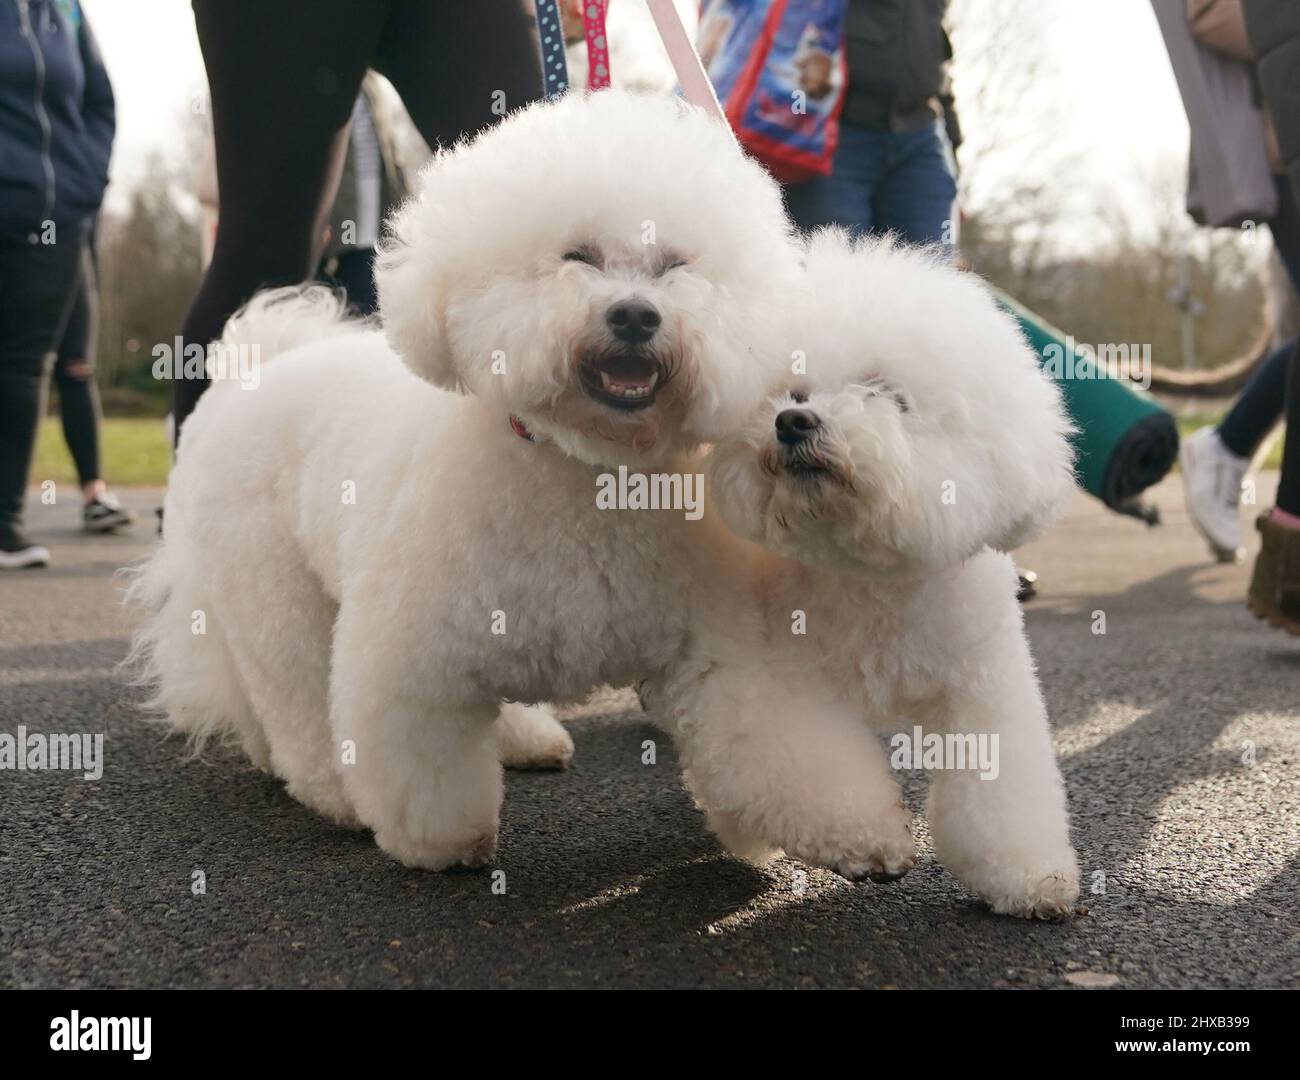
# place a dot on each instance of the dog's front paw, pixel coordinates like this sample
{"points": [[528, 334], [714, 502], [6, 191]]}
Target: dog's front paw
{"points": [[437, 852], [882, 849], [529, 737], [1034, 894], [879, 866], [739, 841], [432, 817]]}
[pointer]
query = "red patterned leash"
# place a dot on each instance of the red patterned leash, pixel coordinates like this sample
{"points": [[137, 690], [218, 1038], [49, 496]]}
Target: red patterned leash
{"points": [[551, 37], [593, 28]]}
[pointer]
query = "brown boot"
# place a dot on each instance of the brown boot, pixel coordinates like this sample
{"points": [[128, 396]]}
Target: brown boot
{"points": [[1275, 585]]}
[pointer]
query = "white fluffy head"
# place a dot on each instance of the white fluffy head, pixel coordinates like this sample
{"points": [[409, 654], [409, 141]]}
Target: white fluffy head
{"points": [[923, 431], [505, 275]]}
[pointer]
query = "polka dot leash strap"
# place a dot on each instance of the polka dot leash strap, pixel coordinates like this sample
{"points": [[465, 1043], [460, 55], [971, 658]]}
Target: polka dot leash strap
{"points": [[550, 34], [593, 25]]}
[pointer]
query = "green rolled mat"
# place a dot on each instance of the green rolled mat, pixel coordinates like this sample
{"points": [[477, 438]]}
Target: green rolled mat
{"points": [[1126, 441]]}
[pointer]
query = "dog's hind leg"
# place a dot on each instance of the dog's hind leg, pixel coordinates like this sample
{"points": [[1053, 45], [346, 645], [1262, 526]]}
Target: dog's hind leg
{"points": [[999, 823], [282, 652], [529, 737]]}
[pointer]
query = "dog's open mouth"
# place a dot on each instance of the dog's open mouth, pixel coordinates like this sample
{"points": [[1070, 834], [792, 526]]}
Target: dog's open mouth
{"points": [[624, 381]]}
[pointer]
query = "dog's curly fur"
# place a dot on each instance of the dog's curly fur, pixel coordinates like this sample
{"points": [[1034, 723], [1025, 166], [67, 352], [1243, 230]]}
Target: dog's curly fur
{"points": [[364, 561], [379, 560], [934, 446]]}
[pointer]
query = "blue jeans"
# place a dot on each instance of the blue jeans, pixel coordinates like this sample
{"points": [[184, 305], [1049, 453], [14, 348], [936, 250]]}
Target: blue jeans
{"points": [[1259, 408], [884, 182]]}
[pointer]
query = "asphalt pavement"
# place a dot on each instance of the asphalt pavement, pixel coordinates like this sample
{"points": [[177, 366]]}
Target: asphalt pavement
{"points": [[1178, 731]]}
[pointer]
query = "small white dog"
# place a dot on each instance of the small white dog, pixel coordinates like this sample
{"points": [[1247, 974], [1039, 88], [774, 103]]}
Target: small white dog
{"points": [[369, 552], [922, 444]]}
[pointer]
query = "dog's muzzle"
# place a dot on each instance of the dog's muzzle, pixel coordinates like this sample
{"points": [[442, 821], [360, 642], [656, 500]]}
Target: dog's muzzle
{"points": [[794, 426], [798, 450]]}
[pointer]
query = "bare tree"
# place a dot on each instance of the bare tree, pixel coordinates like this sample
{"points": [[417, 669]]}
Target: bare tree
{"points": [[1036, 226]]}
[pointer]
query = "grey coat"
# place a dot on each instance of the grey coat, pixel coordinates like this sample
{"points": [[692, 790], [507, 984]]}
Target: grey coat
{"points": [[1228, 176]]}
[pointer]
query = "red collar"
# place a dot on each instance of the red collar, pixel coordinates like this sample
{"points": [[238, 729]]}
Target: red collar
{"points": [[517, 426]]}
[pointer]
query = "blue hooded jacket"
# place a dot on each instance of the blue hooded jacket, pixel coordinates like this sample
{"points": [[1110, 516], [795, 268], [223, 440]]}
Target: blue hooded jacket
{"points": [[56, 118]]}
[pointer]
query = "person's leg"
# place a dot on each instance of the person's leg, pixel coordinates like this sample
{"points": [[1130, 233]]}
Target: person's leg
{"points": [[283, 75], [20, 409], [1285, 228], [1258, 408], [459, 67], [1288, 489], [916, 199], [845, 196], [1214, 463], [36, 282], [74, 376]]}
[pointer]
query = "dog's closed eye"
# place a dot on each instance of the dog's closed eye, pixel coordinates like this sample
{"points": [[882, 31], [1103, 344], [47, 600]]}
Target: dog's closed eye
{"points": [[880, 388], [586, 255], [672, 263]]}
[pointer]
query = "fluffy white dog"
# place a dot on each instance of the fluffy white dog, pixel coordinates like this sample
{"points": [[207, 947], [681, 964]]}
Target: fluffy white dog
{"points": [[369, 552], [921, 445]]}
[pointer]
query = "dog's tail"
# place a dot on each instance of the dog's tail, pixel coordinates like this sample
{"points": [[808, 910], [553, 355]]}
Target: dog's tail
{"points": [[275, 322]]}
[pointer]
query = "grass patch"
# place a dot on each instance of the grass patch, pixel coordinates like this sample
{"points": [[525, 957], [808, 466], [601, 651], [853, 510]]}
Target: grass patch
{"points": [[133, 453]]}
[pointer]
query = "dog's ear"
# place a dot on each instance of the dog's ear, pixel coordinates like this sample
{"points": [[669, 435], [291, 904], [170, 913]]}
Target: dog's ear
{"points": [[1038, 519], [410, 278], [1040, 480]]}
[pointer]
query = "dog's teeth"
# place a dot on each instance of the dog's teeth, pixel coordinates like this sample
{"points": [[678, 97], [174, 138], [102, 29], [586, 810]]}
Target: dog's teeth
{"points": [[627, 390]]}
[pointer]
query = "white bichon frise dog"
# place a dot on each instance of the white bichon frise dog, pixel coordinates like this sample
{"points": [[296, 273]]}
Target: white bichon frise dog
{"points": [[922, 444], [386, 538]]}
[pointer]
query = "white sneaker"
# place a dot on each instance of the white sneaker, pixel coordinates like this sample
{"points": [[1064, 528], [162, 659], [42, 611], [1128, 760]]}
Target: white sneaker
{"points": [[1212, 478]]}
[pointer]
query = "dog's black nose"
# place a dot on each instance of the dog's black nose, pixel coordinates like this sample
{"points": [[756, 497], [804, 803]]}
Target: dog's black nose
{"points": [[795, 425], [633, 321]]}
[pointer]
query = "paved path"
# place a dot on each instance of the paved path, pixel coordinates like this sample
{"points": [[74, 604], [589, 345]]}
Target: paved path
{"points": [[612, 881]]}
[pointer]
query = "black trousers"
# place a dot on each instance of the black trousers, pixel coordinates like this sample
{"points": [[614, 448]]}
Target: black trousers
{"points": [[283, 75], [37, 285], [74, 372]]}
